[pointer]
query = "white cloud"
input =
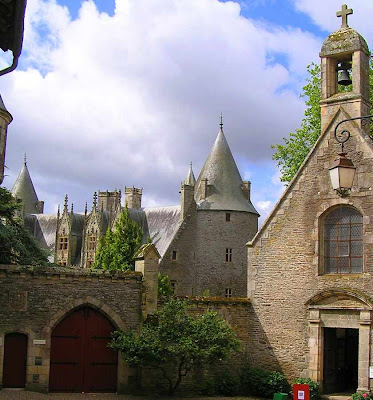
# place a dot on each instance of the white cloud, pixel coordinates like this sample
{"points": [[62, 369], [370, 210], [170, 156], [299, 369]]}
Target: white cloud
{"points": [[323, 14], [132, 99]]}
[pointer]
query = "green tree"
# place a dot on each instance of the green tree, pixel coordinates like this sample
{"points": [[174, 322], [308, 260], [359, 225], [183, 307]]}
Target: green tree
{"points": [[17, 246], [176, 343], [291, 154], [164, 286], [117, 248]]}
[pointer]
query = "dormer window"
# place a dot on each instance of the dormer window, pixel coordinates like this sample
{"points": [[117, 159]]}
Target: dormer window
{"points": [[62, 243], [92, 242]]}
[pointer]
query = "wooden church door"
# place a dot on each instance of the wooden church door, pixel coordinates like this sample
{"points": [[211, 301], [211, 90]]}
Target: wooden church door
{"points": [[15, 357], [80, 358]]}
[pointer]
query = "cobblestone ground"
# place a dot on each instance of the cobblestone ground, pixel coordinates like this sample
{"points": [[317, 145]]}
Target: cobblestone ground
{"points": [[7, 394]]}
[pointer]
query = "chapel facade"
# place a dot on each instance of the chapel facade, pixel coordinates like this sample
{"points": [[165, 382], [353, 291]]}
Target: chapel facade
{"points": [[310, 265]]}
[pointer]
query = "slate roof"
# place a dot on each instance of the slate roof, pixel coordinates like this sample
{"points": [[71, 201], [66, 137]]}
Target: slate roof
{"points": [[43, 227], [158, 223], [24, 190], [162, 225], [223, 179]]}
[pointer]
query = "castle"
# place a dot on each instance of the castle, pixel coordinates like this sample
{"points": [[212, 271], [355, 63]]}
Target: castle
{"points": [[308, 309], [201, 241]]}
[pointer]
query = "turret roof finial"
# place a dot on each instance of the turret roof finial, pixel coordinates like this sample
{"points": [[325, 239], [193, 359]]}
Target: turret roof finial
{"points": [[25, 159], [66, 200], [344, 14], [221, 120], [94, 200], [190, 179]]}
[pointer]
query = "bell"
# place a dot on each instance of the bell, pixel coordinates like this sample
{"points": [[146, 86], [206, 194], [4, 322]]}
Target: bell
{"points": [[344, 78]]}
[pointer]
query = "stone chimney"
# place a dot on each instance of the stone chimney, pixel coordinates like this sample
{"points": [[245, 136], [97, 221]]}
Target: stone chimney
{"points": [[40, 206], [246, 185], [186, 199], [147, 262], [203, 188], [133, 197], [108, 201]]}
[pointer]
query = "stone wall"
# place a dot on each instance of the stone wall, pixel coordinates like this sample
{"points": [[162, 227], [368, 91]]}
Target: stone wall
{"points": [[201, 245], [33, 300]]}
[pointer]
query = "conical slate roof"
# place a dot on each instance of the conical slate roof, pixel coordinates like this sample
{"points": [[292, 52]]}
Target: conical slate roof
{"points": [[190, 179], [24, 190], [223, 179]]}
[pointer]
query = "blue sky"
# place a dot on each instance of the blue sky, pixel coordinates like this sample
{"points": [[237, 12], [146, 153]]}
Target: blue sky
{"points": [[111, 94]]}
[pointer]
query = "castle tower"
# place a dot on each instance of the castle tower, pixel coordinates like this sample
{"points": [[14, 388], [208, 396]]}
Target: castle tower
{"points": [[23, 189], [5, 119], [346, 50], [208, 254]]}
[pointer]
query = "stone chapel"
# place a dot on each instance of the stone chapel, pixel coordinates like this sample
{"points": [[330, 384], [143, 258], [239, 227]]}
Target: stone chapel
{"points": [[305, 306], [310, 271]]}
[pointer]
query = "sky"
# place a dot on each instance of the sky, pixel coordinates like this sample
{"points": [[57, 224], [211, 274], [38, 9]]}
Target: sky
{"points": [[121, 93]]}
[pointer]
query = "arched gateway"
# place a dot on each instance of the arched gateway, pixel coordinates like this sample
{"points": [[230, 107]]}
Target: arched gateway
{"points": [[80, 358]]}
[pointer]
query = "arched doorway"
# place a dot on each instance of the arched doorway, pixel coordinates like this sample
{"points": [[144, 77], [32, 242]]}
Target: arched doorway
{"points": [[80, 358], [15, 357], [339, 340]]}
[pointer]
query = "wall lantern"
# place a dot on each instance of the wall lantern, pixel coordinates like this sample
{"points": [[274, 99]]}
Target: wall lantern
{"points": [[342, 174], [342, 171]]}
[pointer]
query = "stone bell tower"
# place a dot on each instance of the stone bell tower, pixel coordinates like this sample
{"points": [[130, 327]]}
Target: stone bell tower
{"points": [[343, 52]]}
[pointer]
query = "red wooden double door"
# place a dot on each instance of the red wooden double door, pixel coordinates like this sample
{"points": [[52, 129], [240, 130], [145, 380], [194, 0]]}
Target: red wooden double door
{"points": [[81, 361]]}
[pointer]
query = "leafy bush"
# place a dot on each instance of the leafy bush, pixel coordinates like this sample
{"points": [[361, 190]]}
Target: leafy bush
{"points": [[361, 396], [227, 384], [164, 286], [314, 387], [258, 382], [224, 384]]}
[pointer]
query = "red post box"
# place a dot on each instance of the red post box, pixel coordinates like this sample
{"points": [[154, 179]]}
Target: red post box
{"points": [[301, 392]]}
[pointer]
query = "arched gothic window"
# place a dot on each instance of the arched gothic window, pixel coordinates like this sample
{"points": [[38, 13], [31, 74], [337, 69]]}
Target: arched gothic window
{"points": [[343, 241]]}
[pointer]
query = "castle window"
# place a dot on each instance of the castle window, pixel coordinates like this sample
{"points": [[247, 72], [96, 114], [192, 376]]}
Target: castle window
{"points": [[62, 243], [228, 255], [228, 292], [174, 255], [343, 241], [173, 286], [227, 217], [92, 242]]}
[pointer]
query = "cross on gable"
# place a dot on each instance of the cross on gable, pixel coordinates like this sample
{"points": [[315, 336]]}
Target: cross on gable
{"points": [[344, 13]]}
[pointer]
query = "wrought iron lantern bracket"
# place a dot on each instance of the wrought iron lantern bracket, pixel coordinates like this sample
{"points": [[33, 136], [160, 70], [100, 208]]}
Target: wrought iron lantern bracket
{"points": [[343, 136]]}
